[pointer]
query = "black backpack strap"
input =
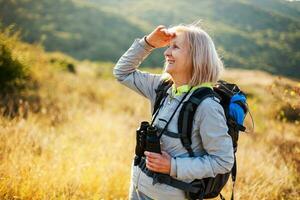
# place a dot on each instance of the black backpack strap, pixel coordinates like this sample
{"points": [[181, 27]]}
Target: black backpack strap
{"points": [[186, 116], [161, 92], [233, 176], [167, 179], [243, 105], [169, 133]]}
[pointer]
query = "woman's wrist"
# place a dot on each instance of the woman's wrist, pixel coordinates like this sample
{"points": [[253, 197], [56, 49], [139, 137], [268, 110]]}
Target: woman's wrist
{"points": [[147, 42]]}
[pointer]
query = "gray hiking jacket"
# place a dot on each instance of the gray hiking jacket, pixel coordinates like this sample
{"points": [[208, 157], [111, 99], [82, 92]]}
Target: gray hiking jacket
{"points": [[210, 142]]}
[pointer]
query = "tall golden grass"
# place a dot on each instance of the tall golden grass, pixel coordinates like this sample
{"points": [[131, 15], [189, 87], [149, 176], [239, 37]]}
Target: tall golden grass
{"points": [[79, 144]]}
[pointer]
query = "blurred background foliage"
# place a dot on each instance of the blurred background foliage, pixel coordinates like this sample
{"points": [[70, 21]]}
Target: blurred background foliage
{"points": [[256, 34]]}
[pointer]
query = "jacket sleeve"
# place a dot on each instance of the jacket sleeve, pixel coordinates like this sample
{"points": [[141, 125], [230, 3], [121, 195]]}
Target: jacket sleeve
{"points": [[219, 157], [126, 72]]}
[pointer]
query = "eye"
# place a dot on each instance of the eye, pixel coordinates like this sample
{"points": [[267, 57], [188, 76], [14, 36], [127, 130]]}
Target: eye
{"points": [[173, 46]]}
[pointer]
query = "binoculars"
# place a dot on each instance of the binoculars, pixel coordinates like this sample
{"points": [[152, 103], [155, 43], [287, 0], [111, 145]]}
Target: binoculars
{"points": [[146, 140]]}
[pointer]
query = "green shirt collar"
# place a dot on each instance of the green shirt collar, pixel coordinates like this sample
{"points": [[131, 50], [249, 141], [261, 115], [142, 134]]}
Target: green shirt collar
{"points": [[185, 88]]}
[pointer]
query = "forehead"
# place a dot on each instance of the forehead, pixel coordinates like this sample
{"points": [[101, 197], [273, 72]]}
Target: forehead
{"points": [[179, 39]]}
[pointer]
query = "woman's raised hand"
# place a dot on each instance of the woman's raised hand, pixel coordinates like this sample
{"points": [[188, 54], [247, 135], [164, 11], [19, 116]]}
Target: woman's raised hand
{"points": [[160, 37]]}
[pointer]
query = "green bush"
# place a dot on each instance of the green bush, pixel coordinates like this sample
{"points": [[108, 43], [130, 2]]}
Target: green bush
{"points": [[14, 79], [289, 113], [63, 64], [13, 74]]}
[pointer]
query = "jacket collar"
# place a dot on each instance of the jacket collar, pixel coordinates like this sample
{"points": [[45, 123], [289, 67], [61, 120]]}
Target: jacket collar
{"points": [[179, 92]]}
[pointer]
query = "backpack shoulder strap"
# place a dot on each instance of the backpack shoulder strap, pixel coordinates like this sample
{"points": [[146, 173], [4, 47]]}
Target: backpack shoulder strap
{"points": [[186, 116], [161, 92]]}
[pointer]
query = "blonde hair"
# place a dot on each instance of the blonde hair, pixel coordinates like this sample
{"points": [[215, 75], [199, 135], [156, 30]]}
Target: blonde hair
{"points": [[206, 63]]}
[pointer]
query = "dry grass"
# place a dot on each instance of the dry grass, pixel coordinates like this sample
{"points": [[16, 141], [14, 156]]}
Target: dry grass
{"points": [[79, 144]]}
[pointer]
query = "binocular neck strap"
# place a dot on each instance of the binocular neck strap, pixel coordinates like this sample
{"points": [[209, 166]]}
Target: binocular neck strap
{"points": [[166, 126], [156, 112]]}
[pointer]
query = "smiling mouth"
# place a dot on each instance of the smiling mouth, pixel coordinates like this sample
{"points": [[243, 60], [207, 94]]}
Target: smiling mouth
{"points": [[171, 61]]}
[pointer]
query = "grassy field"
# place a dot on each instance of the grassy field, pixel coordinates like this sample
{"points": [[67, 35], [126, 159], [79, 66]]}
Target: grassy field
{"points": [[72, 135]]}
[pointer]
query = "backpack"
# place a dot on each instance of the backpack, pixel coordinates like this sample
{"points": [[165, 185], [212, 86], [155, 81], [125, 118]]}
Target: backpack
{"points": [[233, 101]]}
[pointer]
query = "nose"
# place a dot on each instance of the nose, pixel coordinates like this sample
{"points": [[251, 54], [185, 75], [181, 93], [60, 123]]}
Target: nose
{"points": [[167, 52]]}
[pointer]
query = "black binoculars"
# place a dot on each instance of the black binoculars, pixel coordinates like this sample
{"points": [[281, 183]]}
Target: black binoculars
{"points": [[146, 140]]}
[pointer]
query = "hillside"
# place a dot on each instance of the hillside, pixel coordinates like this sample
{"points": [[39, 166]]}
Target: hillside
{"points": [[249, 34], [66, 135], [77, 30]]}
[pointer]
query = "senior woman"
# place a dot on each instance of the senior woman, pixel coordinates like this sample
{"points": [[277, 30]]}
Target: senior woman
{"points": [[192, 62]]}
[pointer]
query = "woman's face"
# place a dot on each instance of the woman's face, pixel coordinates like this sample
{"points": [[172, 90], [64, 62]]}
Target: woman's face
{"points": [[178, 60]]}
